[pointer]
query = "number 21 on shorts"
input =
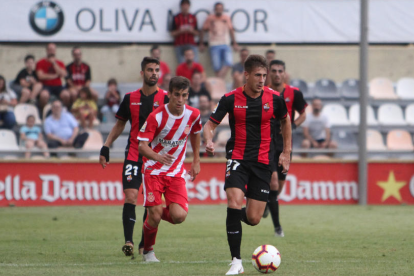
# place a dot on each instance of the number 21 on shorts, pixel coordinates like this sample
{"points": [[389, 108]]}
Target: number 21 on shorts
{"points": [[128, 169], [232, 165]]}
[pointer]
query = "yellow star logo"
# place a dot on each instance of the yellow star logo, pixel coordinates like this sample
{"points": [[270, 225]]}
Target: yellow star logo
{"points": [[391, 187]]}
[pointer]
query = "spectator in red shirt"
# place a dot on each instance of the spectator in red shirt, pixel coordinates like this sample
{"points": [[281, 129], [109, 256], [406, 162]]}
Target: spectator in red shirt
{"points": [[79, 75], [49, 71], [164, 68], [184, 29], [187, 68]]}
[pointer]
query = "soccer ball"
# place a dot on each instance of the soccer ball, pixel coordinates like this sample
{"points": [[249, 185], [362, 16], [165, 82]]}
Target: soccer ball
{"points": [[266, 259]]}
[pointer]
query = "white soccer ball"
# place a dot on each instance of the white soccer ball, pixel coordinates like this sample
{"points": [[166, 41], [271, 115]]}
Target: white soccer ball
{"points": [[266, 259]]}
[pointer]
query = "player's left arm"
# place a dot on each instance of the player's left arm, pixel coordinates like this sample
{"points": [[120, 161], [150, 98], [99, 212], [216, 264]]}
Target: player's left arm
{"points": [[299, 105]]}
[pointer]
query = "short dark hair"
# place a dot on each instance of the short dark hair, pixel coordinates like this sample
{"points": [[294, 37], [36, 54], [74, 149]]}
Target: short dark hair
{"points": [[187, 49], [154, 47], [218, 3], [148, 60], [195, 72], [278, 62], [30, 116], [28, 57], [112, 81], [180, 83], [270, 52], [87, 91], [185, 2], [254, 61], [75, 48]]}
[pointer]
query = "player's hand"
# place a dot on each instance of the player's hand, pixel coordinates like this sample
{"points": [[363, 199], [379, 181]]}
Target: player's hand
{"points": [[104, 156], [166, 159], [210, 148], [284, 161], [195, 170], [102, 161]]}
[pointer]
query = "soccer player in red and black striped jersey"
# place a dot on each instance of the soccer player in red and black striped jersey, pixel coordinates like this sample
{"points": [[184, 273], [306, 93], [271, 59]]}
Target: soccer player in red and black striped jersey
{"points": [[135, 108], [294, 102], [252, 110]]}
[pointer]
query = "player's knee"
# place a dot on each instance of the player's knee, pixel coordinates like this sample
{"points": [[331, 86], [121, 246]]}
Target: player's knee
{"points": [[180, 218], [255, 220], [131, 196]]}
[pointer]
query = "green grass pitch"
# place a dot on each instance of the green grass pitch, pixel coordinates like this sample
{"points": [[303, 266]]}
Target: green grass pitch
{"points": [[320, 240]]}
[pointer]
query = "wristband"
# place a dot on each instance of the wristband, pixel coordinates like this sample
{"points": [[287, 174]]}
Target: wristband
{"points": [[105, 153]]}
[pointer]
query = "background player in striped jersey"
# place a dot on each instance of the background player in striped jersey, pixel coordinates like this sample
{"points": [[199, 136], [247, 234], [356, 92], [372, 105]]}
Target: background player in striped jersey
{"points": [[167, 129], [294, 102], [135, 108], [252, 110]]}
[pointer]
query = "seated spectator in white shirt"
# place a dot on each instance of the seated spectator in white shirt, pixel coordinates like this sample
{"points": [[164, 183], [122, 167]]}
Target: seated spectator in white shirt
{"points": [[8, 100], [31, 136]]}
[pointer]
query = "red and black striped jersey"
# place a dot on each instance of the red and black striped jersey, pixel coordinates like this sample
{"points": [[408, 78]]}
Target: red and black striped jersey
{"points": [[294, 102], [184, 21], [251, 122], [135, 108], [79, 74]]}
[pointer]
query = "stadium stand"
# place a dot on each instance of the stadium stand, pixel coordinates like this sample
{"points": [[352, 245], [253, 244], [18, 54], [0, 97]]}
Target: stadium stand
{"points": [[354, 115], [350, 89], [46, 110], [375, 141], [382, 89], [405, 88], [321, 157], [399, 140], [337, 114], [391, 115], [222, 137], [326, 89], [8, 142], [409, 114], [345, 139], [303, 87], [21, 111], [94, 141], [217, 87]]}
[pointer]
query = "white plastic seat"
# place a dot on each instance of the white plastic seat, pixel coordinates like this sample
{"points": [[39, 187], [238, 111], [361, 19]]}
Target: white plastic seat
{"points": [[374, 140], [8, 140], [94, 141], [405, 88], [382, 89], [399, 140], [354, 115], [391, 115], [21, 111], [409, 114], [336, 113]]}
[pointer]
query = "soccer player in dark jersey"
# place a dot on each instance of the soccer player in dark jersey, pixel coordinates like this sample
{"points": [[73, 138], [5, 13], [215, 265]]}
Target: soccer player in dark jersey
{"points": [[135, 108], [294, 102], [252, 110]]}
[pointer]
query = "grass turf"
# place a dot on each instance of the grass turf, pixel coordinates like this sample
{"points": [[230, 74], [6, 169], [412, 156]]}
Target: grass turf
{"points": [[320, 240]]}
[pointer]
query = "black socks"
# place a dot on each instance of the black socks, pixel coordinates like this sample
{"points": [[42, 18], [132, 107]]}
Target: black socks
{"points": [[273, 205], [234, 231], [244, 217], [141, 243], [128, 220]]}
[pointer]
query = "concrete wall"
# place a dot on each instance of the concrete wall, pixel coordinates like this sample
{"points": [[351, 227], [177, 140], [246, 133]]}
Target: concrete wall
{"points": [[307, 62]]}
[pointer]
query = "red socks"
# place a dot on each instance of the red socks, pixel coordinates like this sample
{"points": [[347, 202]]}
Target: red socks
{"points": [[150, 233], [166, 216]]}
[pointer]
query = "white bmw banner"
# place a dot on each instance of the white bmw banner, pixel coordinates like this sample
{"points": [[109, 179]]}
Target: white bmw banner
{"points": [[258, 21]]}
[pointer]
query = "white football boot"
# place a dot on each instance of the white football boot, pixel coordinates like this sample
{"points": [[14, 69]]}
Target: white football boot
{"points": [[236, 267], [150, 257]]}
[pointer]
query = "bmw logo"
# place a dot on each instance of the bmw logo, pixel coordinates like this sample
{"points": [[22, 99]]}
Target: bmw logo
{"points": [[46, 18]]}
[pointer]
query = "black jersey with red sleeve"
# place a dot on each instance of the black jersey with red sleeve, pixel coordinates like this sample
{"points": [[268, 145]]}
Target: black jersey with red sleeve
{"points": [[182, 21], [135, 108], [79, 73], [251, 122], [294, 102]]}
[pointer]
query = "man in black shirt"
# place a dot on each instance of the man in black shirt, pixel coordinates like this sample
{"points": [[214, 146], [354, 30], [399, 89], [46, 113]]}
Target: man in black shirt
{"points": [[197, 89], [26, 84]]}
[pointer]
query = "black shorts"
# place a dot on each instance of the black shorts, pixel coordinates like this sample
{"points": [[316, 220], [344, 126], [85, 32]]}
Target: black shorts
{"points": [[277, 168], [54, 90], [252, 178], [131, 175]]}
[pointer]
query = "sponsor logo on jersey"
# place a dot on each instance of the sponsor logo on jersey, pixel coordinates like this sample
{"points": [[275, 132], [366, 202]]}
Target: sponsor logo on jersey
{"points": [[187, 129], [156, 104], [266, 107], [144, 127], [241, 106], [150, 197], [129, 178], [136, 103], [170, 143]]}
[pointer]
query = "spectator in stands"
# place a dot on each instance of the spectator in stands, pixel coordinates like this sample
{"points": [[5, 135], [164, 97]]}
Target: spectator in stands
{"points": [[26, 85], [49, 71], [204, 105], [8, 100], [112, 97], [184, 29], [31, 136], [197, 89], [187, 68], [166, 82], [79, 75], [220, 30], [316, 129], [164, 68], [238, 69], [270, 55], [62, 129], [84, 108]]}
